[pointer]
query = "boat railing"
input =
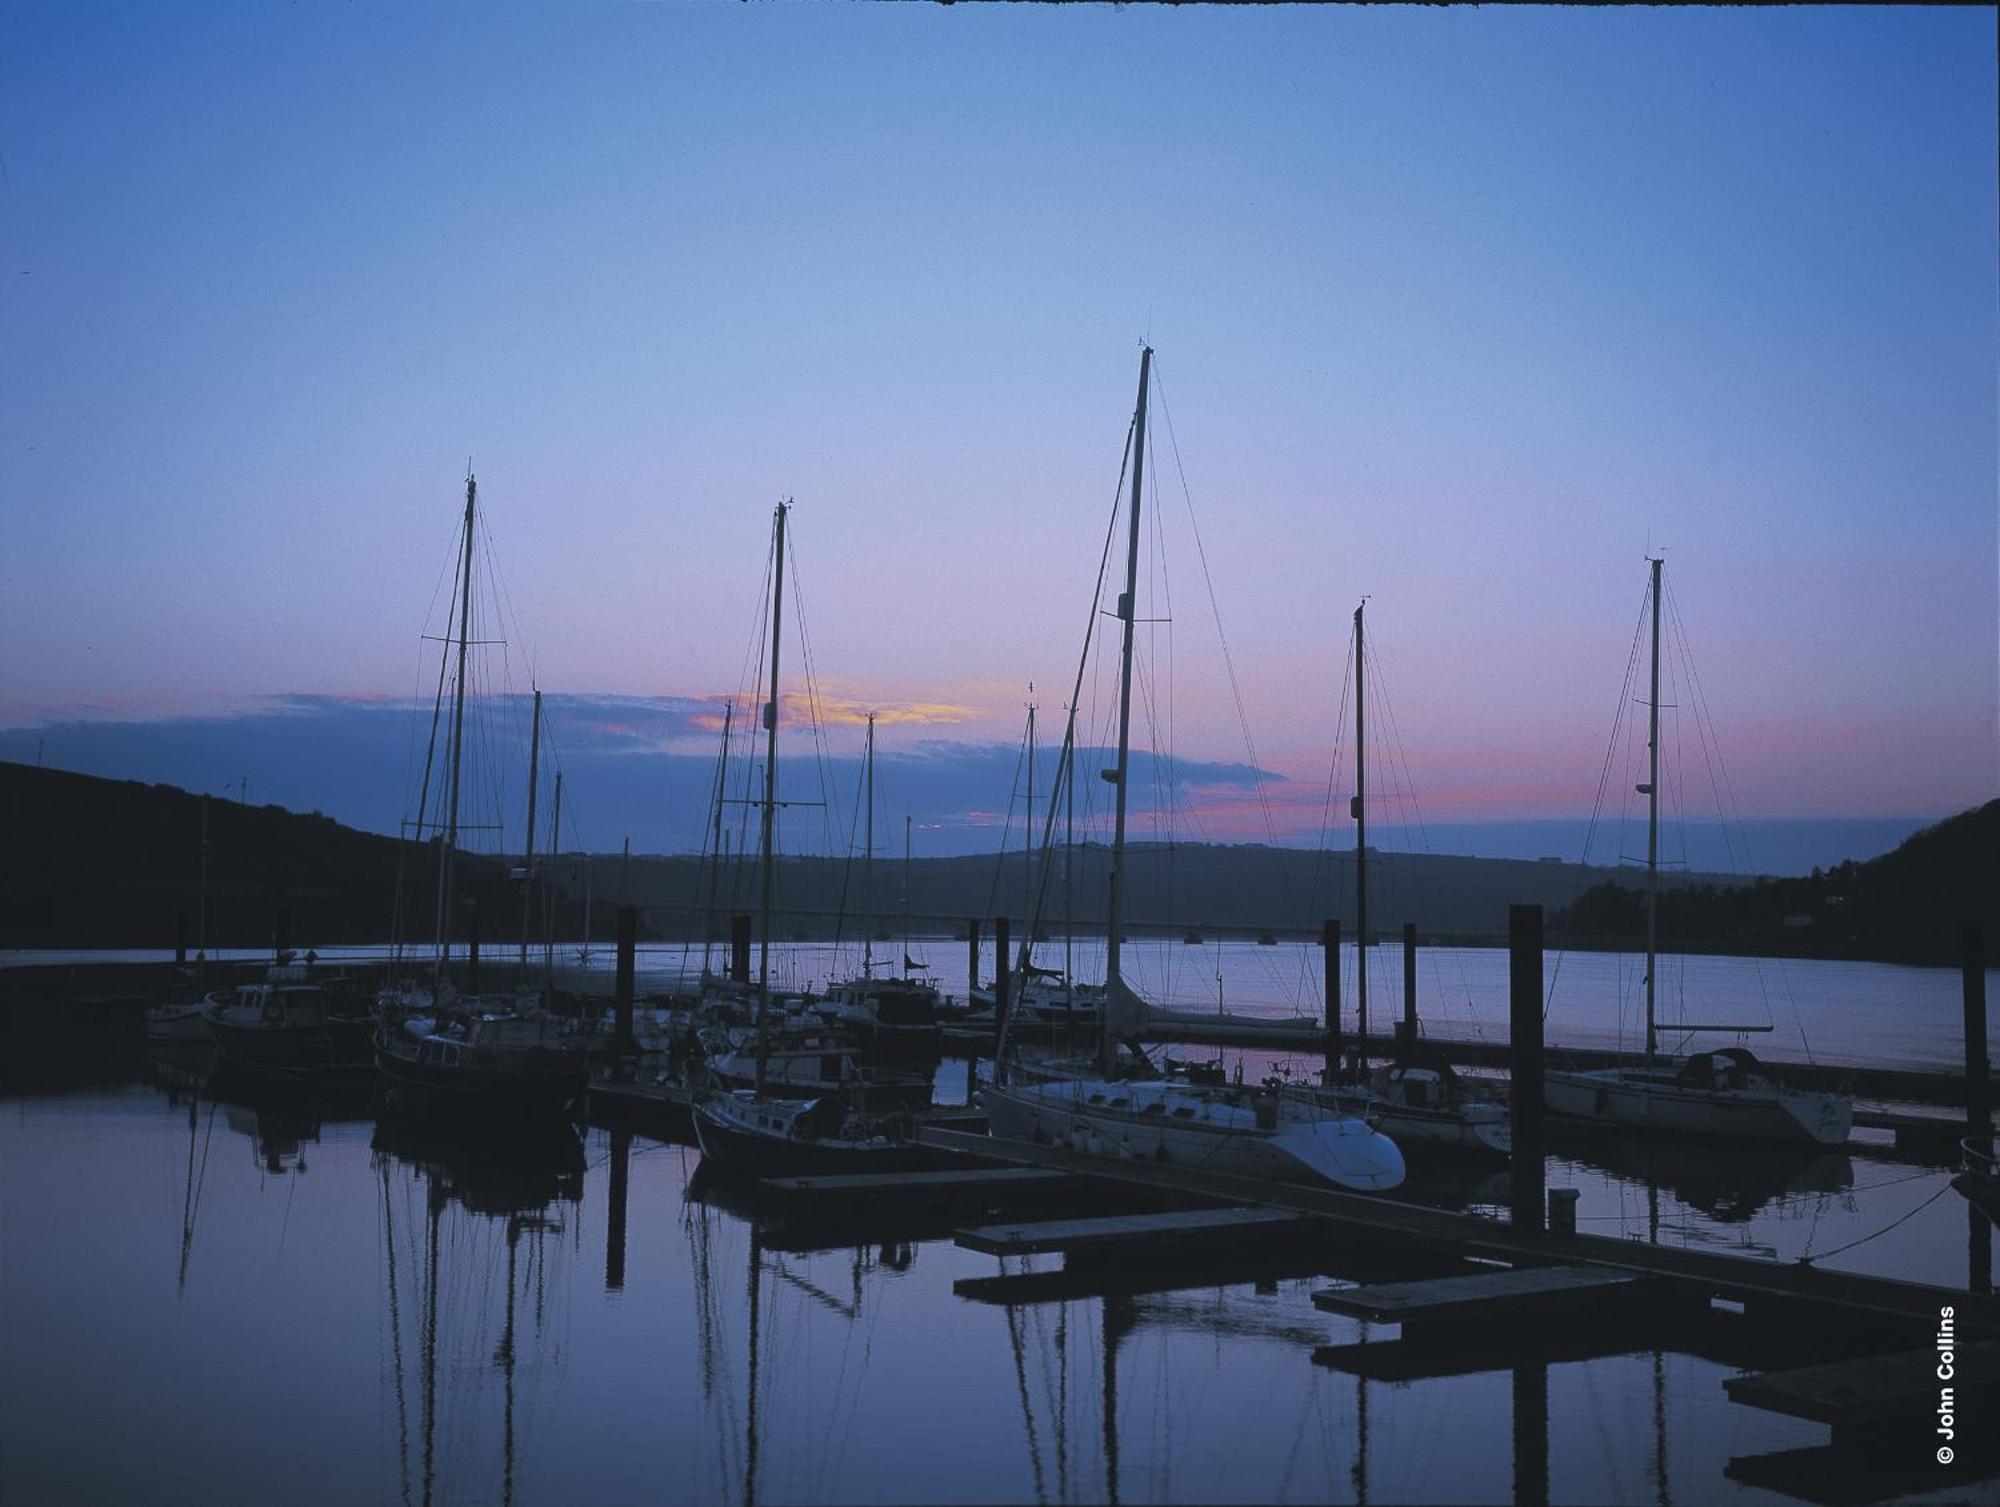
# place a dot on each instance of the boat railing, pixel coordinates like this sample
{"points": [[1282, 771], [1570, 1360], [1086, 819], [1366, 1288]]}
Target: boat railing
{"points": [[1980, 1156]]}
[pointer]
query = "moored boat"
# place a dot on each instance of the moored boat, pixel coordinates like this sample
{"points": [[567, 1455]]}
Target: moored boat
{"points": [[1243, 1132], [1725, 1092], [287, 1024], [767, 1137], [501, 1060]]}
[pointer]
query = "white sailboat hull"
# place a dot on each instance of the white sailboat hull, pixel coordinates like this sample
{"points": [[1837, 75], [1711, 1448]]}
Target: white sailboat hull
{"points": [[1211, 1137], [1653, 1101]]}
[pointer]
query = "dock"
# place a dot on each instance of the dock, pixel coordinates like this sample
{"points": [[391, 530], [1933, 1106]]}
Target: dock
{"points": [[1072, 1236], [1512, 1293], [1802, 1295]]}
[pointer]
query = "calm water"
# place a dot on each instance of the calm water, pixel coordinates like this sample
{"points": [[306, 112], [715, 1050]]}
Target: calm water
{"points": [[1876, 1014], [215, 1303]]}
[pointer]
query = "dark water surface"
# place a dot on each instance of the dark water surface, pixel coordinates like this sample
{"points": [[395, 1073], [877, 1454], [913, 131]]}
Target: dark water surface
{"points": [[218, 1303]]}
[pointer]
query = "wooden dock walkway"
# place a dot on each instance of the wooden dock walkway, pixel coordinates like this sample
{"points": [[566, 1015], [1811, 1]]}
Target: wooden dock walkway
{"points": [[1527, 1291], [1862, 1392], [1805, 1294], [1077, 1235]]}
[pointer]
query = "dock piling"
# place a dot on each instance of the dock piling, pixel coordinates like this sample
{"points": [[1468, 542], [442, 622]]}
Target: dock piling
{"points": [[739, 948], [1524, 1004], [971, 960], [628, 951], [1330, 940], [1406, 1029], [1978, 1086], [472, 950], [180, 938], [614, 1239], [1000, 981]]}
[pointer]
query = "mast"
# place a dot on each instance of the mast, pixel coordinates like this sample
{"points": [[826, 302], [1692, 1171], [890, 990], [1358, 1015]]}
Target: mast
{"points": [[201, 928], [1360, 834], [1127, 604], [770, 792], [528, 860], [715, 874], [548, 895], [1652, 793], [868, 857], [906, 894], [1028, 906], [1069, 865], [445, 875]]}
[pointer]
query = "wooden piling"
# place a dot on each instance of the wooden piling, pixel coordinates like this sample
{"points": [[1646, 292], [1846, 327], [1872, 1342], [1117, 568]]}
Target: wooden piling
{"points": [[1406, 1029], [472, 950], [1524, 1002], [1978, 1087], [180, 938], [614, 1242], [1330, 940], [971, 960], [1000, 983], [628, 952], [739, 948], [1531, 1429], [281, 931]]}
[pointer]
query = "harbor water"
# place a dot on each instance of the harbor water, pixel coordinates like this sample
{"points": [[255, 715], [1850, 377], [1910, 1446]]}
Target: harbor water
{"points": [[216, 1297]]}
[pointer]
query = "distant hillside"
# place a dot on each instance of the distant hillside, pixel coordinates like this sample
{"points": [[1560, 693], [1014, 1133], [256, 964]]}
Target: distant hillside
{"points": [[1905, 907], [86, 862], [1213, 889]]}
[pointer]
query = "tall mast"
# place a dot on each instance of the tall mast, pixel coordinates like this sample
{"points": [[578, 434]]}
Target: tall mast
{"points": [[906, 894], [549, 895], [528, 860], [868, 857], [715, 873], [1652, 789], [1028, 907], [1069, 863], [1127, 606], [770, 792], [201, 929], [445, 875], [1360, 832]]}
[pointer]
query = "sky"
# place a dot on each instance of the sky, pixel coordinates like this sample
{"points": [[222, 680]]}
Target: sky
{"points": [[1464, 311]]}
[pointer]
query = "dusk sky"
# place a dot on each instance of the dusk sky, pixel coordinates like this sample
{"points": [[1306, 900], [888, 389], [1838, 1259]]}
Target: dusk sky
{"points": [[1464, 310]]}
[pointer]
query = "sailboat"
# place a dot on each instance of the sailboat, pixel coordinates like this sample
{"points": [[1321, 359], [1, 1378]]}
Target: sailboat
{"points": [[753, 1130], [1724, 1092], [1251, 1132], [1045, 1001], [1417, 1100], [507, 1054], [890, 1015]]}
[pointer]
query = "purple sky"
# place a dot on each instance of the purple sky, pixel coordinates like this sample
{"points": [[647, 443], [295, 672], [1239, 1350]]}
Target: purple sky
{"points": [[1465, 311]]}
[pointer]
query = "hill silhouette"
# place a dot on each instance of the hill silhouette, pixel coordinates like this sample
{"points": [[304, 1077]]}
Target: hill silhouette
{"points": [[88, 862], [1904, 907]]}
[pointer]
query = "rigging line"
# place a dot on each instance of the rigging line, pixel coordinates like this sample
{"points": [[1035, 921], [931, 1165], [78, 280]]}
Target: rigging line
{"points": [[1007, 827], [1076, 694], [1215, 607], [1603, 780], [1322, 866], [815, 704], [1943, 1188], [847, 875], [1704, 714]]}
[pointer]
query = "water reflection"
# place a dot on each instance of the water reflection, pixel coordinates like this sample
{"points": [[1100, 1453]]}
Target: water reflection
{"points": [[479, 1189], [1730, 1184], [443, 1325]]}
